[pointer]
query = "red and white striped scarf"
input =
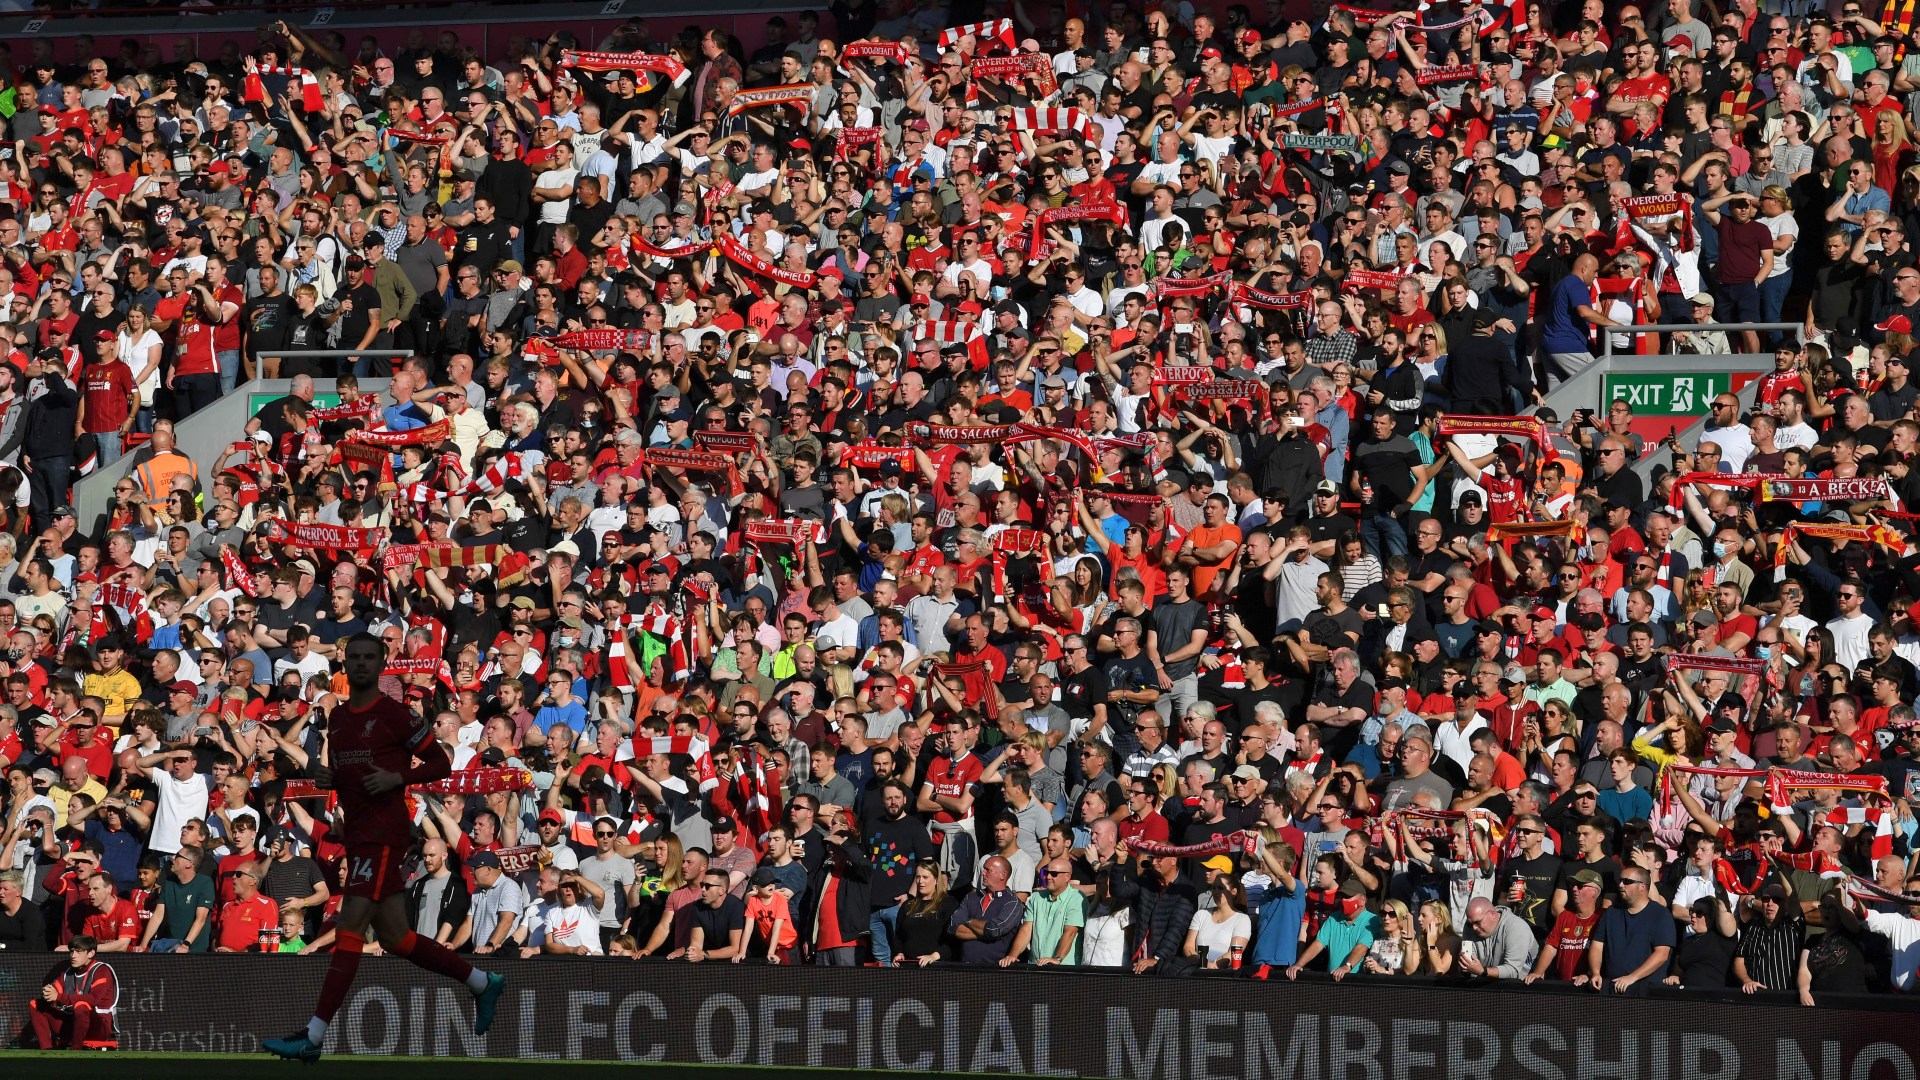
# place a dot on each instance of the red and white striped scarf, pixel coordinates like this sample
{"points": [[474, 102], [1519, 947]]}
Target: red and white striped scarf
{"points": [[666, 626], [761, 797], [692, 746], [506, 467], [238, 576], [253, 89], [983, 33], [1846, 817], [1054, 120], [617, 673]]}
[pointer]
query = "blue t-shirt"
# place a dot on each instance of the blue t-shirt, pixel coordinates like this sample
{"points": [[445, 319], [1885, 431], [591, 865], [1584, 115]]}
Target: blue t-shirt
{"points": [[573, 714], [1562, 330], [1630, 939], [1627, 806], [1276, 940]]}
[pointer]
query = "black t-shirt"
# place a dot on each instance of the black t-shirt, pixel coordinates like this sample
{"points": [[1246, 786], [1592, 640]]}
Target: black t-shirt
{"points": [[1173, 626], [1871, 436], [353, 325], [267, 320], [1081, 692], [1608, 869], [718, 924], [1389, 467], [1538, 877], [1331, 527], [1241, 701], [481, 244], [1340, 740]]}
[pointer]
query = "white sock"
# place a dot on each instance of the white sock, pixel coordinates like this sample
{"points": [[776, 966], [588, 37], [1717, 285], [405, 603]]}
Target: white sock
{"points": [[316, 1031], [476, 980]]}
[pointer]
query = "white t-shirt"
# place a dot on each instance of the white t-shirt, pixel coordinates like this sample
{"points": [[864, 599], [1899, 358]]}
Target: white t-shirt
{"points": [[555, 212], [178, 801], [1210, 149], [758, 180], [1782, 225], [134, 354], [572, 924], [1850, 638], [1215, 939], [982, 275]]}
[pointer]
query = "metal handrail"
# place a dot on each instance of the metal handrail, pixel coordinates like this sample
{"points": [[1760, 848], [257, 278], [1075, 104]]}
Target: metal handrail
{"points": [[316, 354], [1607, 332]]}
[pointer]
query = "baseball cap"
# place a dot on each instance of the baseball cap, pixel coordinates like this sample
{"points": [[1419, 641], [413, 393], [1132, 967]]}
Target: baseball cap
{"points": [[1588, 877], [1210, 53], [763, 876], [1220, 863], [523, 602], [1898, 324], [511, 266], [483, 858], [552, 815], [1250, 36], [1704, 300], [45, 776], [1246, 772], [182, 687], [1703, 617], [106, 335], [1514, 673], [1326, 487]]}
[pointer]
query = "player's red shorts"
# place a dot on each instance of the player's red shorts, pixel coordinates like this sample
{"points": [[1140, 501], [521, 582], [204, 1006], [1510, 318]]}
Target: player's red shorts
{"points": [[373, 871]]}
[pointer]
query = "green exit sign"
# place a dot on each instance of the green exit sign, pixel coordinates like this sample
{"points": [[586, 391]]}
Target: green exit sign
{"points": [[1666, 394]]}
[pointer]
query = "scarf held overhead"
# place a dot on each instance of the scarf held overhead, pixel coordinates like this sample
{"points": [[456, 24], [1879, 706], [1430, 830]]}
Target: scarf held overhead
{"points": [[607, 61]]}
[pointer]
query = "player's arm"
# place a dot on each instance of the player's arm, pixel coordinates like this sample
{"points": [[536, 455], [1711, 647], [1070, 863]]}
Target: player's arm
{"points": [[431, 760]]}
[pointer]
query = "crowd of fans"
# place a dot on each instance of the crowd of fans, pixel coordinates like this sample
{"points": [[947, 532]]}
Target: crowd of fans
{"points": [[781, 480]]}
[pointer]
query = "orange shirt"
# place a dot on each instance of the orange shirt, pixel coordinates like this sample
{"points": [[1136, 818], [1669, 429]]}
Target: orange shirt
{"points": [[1206, 536]]}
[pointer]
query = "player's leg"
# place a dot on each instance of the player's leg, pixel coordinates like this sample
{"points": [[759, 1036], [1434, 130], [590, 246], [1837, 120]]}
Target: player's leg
{"points": [[81, 1025], [46, 1025], [349, 940], [390, 922]]}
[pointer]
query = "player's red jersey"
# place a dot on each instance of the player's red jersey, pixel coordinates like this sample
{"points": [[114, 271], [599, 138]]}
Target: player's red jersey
{"points": [[387, 736]]}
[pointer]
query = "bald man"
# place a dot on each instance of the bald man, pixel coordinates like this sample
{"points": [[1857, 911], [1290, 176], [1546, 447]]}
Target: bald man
{"points": [[1495, 943], [1566, 319]]}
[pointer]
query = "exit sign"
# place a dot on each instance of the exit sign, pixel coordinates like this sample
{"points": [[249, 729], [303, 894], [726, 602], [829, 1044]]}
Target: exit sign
{"points": [[1687, 394]]}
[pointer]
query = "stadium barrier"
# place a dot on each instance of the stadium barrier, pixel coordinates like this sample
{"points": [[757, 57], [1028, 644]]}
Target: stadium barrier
{"points": [[1040, 1023]]}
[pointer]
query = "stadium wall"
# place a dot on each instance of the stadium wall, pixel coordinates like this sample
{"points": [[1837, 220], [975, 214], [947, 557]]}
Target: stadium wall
{"points": [[1025, 1022]]}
